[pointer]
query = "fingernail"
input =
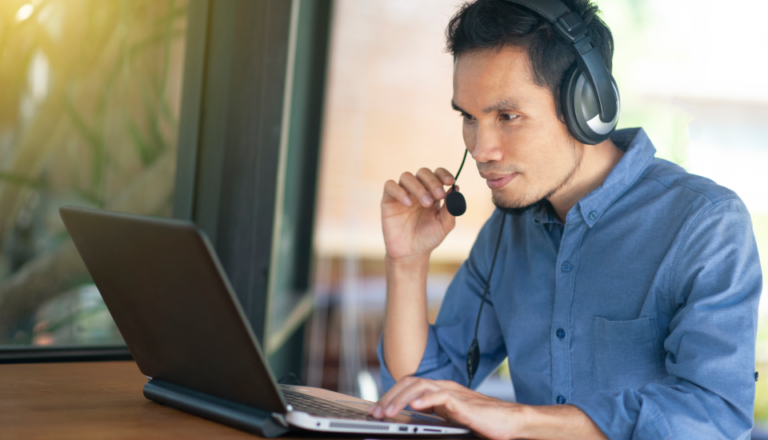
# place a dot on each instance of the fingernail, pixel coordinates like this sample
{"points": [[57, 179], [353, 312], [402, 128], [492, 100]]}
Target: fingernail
{"points": [[407, 201], [426, 201], [440, 193], [416, 402], [378, 412], [448, 180]]}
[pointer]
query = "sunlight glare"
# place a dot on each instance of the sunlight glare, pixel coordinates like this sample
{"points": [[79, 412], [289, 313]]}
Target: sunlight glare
{"points": [[25, 12]]}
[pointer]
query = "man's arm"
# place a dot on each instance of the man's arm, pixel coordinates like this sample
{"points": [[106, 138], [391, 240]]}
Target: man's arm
{"points": [[714, 286], [442, 353], [413, 225]]}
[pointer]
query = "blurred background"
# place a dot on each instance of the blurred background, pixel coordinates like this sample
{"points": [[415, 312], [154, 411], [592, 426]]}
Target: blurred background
{"points": [[91, 99], [89, 110]]}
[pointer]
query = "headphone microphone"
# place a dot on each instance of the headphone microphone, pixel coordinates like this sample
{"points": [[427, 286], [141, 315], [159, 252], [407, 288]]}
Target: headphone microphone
{"points": [[455, 201]]}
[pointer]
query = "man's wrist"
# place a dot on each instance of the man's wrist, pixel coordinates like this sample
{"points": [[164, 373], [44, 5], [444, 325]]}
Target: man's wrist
{"points": [[405, 320], [558, 422], [413, 265]]}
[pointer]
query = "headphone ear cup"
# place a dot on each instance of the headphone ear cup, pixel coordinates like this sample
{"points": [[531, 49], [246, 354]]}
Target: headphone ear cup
{"points": [[580, 109], [566, 103]]}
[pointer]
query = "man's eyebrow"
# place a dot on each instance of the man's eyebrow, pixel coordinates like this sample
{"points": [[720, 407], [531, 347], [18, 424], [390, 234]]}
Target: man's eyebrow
{"points": [[504, 104], [457, 108]]}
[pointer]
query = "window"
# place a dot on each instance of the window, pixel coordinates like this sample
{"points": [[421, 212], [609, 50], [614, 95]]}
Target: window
{"points": [[89, 115]]}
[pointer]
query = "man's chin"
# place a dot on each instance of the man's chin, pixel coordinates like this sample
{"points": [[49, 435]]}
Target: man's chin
{"points": [[518, 210]]}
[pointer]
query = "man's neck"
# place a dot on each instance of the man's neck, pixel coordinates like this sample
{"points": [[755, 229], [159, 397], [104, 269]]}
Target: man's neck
{"points": [[596, 164]]}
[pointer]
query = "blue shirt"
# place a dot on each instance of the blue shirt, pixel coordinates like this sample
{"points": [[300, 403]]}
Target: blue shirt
{"points": [[641, 310]]}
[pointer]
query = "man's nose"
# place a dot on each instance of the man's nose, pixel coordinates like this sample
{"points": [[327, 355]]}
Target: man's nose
{"points": [[487, 144]]}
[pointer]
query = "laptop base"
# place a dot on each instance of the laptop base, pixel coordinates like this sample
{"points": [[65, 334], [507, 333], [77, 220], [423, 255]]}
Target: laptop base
{"points": [[213, 408]]}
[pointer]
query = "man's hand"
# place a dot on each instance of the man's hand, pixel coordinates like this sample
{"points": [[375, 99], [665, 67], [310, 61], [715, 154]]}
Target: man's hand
{"points": [[488, 417], [411, 218]]}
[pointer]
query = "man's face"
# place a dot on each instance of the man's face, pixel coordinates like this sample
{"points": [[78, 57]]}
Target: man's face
{"points": [[511, 127]]}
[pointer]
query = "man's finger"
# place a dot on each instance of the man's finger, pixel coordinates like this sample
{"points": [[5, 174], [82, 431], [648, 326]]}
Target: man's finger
{"points": [[451, 385], [397, 192], [408, 394], [431, 182], [445, 176], [438, 399], [415, 187], [386, 399], [447, 220]]}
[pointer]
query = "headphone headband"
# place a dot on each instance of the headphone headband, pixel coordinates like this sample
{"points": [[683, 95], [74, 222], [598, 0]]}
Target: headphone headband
{"points": [[552, 10], [572, 28]]}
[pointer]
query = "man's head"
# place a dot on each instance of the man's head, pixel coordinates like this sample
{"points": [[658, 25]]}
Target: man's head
{"points": [[509, 64]]}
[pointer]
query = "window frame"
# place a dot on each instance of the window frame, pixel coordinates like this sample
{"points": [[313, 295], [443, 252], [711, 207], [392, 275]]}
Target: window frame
{"points": [[252, 107]]}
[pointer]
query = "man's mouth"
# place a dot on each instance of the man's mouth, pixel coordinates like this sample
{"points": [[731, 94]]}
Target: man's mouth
{"points": [[496, 181]]}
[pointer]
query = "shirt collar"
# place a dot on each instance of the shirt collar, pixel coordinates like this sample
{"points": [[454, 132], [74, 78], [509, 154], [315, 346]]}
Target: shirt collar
{"points": [[543, 215], [638, 154]]}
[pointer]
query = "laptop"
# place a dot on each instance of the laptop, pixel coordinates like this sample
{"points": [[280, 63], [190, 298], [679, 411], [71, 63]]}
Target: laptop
{"points": [[180, 318]]}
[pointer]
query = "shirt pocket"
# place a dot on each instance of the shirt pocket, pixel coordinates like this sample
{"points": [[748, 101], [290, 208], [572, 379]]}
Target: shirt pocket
{"points": [[625, 353]]}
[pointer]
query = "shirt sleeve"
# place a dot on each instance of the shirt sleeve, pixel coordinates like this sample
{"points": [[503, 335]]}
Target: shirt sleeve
{"points": [[714, 286], [445, 357]]}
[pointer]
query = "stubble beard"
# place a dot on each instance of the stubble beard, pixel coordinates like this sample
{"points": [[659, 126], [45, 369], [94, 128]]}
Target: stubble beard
{"points": [[518, 208]]}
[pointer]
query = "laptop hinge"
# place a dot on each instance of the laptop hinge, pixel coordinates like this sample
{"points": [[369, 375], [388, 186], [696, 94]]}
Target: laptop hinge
{"points": [[279, 418]]}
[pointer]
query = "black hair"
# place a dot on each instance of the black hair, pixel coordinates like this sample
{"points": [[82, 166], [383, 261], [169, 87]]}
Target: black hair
{"points": [[493, 24]]}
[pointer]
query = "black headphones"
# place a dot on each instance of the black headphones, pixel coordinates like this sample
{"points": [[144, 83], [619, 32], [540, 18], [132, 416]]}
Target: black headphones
{"points": [[589, 95], [590, 103]]}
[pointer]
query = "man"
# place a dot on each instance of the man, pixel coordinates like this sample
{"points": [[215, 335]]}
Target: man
{"points": [[625, 290]]}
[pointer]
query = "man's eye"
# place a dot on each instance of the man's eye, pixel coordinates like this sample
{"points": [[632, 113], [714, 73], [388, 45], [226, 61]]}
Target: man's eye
{"points": [[508, 116], [466, 116]]}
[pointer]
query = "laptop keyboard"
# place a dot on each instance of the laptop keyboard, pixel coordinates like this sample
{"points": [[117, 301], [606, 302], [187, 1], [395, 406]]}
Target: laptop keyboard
{"points": [[322, 408]]}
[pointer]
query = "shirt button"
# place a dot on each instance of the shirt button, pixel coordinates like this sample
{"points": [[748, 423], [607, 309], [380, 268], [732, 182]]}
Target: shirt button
{"points": [[566, 267], [593, 215], [560, 400], [560, 333]]}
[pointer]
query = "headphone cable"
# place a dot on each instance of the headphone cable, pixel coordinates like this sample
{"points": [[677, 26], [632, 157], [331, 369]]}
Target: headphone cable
{"points": [[473, 356], [460, 167]]}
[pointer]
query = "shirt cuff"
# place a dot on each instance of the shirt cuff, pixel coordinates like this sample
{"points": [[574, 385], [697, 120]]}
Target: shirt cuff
{"points": [[626, 415]]}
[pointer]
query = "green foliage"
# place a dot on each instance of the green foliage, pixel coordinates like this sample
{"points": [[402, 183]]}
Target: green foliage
{"points": [[88, 116]]}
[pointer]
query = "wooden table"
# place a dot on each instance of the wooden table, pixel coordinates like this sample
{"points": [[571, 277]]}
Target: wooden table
{"points": [[95, 400], [98, 400]]}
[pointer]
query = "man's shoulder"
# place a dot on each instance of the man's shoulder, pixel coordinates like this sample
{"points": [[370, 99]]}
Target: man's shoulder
{"points": [[685, 188]]}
